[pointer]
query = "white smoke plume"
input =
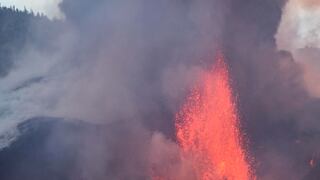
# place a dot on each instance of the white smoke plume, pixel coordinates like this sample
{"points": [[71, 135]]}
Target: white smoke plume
{"points": [[123, 62], [299, 33], [128, 65]]}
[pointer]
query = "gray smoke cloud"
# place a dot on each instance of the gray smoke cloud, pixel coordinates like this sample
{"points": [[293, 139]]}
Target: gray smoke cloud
{"points": [[120, 62], [129, 65], [309, 3], [299, 34], [278, 113]]}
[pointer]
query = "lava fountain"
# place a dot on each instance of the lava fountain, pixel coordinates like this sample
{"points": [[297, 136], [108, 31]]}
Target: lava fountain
{"points": [[207, 129]]}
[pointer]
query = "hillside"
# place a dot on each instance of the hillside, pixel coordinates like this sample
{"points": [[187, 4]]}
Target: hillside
{"points": [[19, 29]]}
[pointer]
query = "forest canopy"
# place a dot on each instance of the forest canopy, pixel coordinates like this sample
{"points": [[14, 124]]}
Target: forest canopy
{"points": [[17, 30]]}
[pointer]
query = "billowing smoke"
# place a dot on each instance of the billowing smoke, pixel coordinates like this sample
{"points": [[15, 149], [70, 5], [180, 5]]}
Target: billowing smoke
{"points": [[299, 34], [128, 65], [309, 3]]}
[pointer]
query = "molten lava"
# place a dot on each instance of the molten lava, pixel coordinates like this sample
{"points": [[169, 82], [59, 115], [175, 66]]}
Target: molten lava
{"points": [[208, 129]]}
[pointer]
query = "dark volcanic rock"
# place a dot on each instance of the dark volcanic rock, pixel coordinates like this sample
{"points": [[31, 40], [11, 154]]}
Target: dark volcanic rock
{"points": [[57, 149], [39, 153]]}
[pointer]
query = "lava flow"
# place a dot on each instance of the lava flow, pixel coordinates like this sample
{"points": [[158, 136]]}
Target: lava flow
{"points": [[208, 129]]}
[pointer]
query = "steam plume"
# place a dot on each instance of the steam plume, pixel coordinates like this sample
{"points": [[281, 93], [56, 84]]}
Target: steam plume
{"points": [[129, 65]]}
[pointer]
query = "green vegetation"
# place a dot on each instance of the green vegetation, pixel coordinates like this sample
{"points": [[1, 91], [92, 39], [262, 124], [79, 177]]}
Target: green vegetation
{"points": [[19, 29]]}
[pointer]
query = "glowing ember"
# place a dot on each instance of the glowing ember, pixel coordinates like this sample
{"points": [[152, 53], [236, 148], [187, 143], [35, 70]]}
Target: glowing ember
{"points": [[208, 129], [312, 163]]}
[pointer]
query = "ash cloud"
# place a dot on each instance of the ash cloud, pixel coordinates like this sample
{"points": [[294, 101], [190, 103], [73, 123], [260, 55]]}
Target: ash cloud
{"points": [[277, 110], [299, 34], [309, 3], [119, 62], [129, 65]]}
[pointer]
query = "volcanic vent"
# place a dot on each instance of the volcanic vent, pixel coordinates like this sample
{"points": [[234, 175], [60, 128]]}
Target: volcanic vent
{"points": [[208, 128]]}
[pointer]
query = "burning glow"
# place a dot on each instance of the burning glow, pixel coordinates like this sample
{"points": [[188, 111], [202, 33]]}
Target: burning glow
{"points": [[312, 163], [208, 129]]}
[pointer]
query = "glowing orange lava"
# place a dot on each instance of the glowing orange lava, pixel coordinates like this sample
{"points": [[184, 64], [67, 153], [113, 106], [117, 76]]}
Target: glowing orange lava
{"points": [[208, 129]]}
